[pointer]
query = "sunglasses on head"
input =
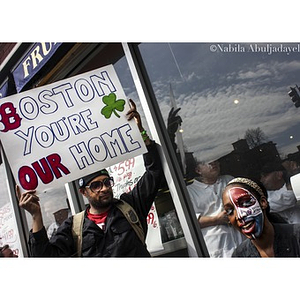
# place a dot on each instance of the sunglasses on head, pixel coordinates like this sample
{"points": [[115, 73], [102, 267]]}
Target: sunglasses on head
{"points": [[97, 186]]}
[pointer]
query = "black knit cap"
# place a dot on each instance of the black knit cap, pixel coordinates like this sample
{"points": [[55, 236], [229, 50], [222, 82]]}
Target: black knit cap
{"points": [[82, 182]]}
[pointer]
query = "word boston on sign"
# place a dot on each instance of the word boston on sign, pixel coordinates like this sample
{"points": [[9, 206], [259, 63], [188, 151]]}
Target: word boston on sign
{"points": [[59, 132]]}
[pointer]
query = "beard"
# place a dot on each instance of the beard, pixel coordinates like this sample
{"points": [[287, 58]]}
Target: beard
{"points": [[102, 201]]}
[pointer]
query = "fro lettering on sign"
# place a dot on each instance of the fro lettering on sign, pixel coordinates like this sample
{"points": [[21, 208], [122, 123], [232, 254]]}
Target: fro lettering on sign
{"points": [[59, 132]]}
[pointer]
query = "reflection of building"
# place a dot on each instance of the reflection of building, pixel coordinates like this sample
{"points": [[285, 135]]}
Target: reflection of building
{"points": [[295, 156], [243, 161]]}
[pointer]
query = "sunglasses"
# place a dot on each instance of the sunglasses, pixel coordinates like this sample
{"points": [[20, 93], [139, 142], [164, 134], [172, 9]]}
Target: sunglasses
{"points": [[97, 186]]}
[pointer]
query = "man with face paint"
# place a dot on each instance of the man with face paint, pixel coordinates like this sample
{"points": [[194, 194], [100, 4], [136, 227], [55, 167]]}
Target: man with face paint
{"points": [[245, 202]]}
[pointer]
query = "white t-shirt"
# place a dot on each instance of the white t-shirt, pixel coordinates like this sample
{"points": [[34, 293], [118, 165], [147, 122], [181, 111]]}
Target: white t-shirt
{"points": [[221, 240], [284, 203]]}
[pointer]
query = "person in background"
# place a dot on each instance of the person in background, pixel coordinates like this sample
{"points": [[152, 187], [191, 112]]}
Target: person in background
{"points": [[106, 231], [206, 196], [292, 167], [281, 197], [246, 204], [5, 251], [59, 216], [173, 124]]}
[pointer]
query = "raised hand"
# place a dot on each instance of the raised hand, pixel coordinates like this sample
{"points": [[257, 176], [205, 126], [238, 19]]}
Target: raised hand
{"points": [[31, 202], [133, 113]]}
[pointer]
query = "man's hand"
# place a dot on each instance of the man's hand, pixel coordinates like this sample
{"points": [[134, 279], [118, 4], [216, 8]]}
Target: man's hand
{"points": [[133, 113], [222, 218], [174, 121], [30, 202]]}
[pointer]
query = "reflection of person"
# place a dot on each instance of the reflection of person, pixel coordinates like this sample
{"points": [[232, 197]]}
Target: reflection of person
{"points": [[174, 121], [246, 205], [292, 167], [106, 232], [5, 251], [186, 163], [206, 196], [59, 216], [281, 197]]}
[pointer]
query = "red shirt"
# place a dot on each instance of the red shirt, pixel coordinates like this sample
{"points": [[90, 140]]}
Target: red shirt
{"points": [[99, 219]]}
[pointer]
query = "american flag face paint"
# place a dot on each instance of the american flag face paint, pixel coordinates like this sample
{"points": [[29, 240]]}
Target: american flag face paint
{"points": [[249, 213]]}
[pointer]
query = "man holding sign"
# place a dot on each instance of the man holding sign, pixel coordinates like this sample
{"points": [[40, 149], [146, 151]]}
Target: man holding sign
{"points": [[106, 232]]}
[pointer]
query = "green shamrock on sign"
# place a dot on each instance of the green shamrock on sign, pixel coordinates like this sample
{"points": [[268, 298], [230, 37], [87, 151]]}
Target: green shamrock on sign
{"points": [[112, 105]]}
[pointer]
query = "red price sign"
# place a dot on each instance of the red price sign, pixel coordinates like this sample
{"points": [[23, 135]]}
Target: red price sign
{"points": [[125, 166]]}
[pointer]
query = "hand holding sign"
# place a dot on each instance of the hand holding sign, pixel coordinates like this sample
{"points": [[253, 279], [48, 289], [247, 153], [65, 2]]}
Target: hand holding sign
{"points": [[30, 202], [132, 113]]}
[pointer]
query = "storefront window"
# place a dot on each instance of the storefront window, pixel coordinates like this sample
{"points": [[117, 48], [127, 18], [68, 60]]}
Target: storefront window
{"points": [[61, 201], [55, 209], [234, 104], [8, 227], [163, 223]]}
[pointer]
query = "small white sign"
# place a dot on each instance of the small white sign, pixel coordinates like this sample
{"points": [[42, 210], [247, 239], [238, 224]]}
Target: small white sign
{"points": [[126, 174], [295, 182]]}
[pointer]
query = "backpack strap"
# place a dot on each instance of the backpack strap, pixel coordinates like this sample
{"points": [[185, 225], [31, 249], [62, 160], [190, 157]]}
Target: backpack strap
{"points": [[127, 211], [77, 231], [132, 218]]}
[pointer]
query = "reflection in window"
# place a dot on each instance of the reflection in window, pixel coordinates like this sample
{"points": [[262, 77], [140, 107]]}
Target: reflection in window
{"points": [[163, 224], [235, 108], [55, 209], [8, 228], [225, 94]]}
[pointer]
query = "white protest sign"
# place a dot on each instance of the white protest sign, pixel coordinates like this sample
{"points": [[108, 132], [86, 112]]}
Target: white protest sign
{"points": [[153, 238], [57, 133], [8, 230], [126, 174]]}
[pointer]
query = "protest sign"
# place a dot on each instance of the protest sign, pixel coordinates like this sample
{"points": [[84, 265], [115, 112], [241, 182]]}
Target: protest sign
{"points": [[126, 174], [59, 132], [8, 230]]}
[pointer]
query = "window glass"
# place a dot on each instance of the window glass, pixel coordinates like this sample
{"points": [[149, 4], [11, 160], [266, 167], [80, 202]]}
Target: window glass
{"points": [[224, 93], [235, 108], [55, 209], [163, 224], [8, 227]]}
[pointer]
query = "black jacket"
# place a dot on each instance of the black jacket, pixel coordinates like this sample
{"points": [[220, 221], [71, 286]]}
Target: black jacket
{"points": [[119, 238], [286, 243]]}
